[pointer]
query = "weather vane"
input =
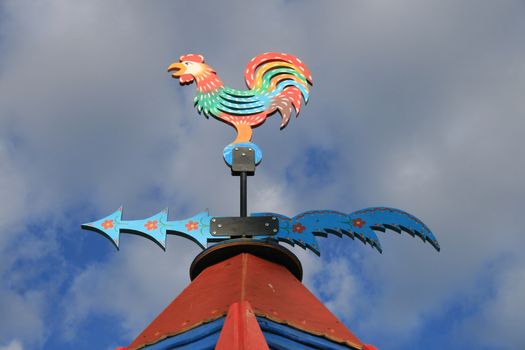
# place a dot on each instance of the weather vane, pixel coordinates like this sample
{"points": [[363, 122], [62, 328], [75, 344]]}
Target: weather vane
{"points": [[277, 82]]}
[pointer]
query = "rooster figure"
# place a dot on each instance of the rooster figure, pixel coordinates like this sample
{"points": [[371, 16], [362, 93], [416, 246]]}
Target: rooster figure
{"points": [[277, 82]]}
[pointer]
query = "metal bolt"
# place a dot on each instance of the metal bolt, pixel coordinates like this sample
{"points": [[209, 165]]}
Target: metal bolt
{"points": [[219, 225], [214, 233], [236, 148], [266, 224], [274, 218], [274, 230], [243, 154], [249, 149], [213, 220]]}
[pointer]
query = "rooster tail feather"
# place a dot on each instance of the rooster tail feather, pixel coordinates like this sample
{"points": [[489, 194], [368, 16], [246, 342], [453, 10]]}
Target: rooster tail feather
{"points": [[285, 102], [295, 96], [284, 106], [283, 79], [271, 60]]}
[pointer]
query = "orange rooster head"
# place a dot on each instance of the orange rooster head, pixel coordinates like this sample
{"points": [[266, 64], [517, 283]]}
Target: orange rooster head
{"points": [[189, 68]]}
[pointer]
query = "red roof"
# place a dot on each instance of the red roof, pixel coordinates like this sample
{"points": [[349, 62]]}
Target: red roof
{"points": [[271, 289]]}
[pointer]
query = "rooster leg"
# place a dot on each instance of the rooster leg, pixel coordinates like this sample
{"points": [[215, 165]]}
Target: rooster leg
{"points": [[244, 133]]}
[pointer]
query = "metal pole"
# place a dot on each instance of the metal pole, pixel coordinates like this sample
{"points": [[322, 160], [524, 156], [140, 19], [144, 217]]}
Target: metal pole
{"points": [[244, 194]]}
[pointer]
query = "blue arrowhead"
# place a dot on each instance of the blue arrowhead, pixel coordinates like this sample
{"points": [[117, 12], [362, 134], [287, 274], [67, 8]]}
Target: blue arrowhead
{"points": [[108, 226]]}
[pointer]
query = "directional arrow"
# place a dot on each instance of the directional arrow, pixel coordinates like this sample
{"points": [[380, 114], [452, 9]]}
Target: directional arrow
{"points": [[300, 230]]}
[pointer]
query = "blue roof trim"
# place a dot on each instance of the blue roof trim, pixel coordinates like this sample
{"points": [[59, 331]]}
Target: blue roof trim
{"points": [[203, 337], [282, 337], [278, 336]]}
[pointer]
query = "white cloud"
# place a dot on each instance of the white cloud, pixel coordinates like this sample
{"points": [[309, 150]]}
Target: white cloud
{"points": [[14, 345], [14, 188], [338, 286], [21, 316], [134, 285], [500, 318]]}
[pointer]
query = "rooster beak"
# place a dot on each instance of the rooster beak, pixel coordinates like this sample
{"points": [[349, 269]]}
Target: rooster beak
{"points": [[178, 69]]}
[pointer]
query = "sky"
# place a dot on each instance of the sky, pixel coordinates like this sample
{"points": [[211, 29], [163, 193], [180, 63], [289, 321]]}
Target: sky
{"points": [[416, 105]]}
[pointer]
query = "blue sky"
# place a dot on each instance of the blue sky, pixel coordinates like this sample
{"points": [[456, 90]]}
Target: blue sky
{"points": [[415, 105]]}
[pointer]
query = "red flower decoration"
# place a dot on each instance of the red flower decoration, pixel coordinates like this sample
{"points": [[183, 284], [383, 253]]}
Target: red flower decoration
{"points": [[298, 228], [358, 222], [107, 224], [192, 225], [151, 225]]}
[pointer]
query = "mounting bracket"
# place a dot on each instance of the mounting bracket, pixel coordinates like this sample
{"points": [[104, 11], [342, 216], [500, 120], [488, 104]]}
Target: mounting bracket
{"points": [[243, 161], [244, 226]]}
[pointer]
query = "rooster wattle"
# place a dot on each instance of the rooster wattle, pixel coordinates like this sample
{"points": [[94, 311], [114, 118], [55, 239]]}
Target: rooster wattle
{"points": [[277, 82]]}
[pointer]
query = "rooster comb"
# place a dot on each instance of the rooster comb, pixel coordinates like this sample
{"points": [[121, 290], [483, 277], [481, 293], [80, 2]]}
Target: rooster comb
{"points": [[192, 57]]}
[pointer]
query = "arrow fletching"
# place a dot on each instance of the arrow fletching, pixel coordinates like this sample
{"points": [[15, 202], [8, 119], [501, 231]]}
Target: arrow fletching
{"points": [[303, 229]]}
